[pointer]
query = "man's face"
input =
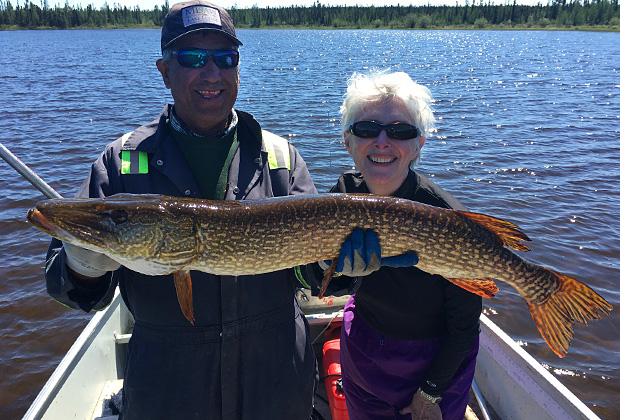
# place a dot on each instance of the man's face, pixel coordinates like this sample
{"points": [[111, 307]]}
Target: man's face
{"points": [[203, 97]]}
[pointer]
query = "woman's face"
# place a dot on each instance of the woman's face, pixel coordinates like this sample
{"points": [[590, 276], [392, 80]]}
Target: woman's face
{"points": [[384, 162]]}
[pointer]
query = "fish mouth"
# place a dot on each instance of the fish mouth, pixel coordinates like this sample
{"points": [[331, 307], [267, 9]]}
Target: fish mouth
{"points": [[73, 232], [39, 221]]}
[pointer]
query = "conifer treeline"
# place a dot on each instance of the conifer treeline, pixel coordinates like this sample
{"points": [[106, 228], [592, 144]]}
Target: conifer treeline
{"points": [[557, 13]]}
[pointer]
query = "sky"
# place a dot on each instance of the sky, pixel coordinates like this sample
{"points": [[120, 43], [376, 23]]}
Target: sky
{"points": [[241, 4]]}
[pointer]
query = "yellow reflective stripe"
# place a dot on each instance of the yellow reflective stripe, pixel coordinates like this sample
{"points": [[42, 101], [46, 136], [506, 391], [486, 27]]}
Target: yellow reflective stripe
{"points": [[134, 162], [125, 162], [143, 163], [278, 154]]}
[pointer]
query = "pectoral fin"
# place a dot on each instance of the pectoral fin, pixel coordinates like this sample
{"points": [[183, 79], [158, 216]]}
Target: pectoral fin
{"points": [[327, 276], [481, 287], [183, 285]]}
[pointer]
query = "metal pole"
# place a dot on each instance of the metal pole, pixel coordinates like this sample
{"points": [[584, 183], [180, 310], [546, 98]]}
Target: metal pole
{"points": [[481, 404], [27, 173]]}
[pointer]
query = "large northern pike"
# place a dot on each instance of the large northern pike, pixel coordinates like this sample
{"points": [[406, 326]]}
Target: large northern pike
{"points": [[158, 235]]}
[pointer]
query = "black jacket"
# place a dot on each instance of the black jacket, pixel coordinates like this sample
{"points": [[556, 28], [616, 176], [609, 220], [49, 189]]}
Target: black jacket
{"points": [[410, 304], [249, 354]]}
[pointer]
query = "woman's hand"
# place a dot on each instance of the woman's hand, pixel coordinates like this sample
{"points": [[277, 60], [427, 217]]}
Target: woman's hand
{"points": [[422, 408], [361, 255]]}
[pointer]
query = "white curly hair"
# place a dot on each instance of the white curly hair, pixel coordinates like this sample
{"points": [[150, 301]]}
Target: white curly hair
{"points": [[377, 86]]}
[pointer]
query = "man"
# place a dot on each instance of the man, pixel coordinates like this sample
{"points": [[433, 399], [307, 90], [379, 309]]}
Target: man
{"points": [[248, 355]]}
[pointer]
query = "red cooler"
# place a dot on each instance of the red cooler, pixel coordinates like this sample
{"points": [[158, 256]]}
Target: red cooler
{"points": [[333, 384]]}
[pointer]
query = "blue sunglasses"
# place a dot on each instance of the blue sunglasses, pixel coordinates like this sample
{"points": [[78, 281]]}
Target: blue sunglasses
{"points": [[194, 58]]}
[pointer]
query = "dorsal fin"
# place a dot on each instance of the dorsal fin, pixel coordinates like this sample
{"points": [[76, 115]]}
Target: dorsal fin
{"points": [[508, 233]]}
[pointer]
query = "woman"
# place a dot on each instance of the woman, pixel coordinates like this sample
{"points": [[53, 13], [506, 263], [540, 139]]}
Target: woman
{"points": [[409, 339]]}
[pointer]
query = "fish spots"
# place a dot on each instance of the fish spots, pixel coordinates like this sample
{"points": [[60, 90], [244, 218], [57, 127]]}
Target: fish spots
{"points": [[260, 236]]}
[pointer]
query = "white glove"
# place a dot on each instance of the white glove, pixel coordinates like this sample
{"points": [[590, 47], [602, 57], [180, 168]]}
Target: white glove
{"points": [[88, 263]]}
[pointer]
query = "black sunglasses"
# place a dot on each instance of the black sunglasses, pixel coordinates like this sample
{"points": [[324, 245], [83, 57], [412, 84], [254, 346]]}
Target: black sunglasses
{"points": [[194, 58], [396, 131]]}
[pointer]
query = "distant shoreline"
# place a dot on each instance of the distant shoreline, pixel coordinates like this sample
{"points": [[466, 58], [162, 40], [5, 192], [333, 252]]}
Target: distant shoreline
{"points": [[282, 27], [576, 15]]}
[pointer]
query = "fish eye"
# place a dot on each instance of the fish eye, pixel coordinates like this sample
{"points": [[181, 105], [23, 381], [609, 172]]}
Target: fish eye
{"points": [[119, 216]]}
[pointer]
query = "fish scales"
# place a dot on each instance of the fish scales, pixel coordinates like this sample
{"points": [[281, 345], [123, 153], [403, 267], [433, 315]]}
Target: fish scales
{"points": [[158, 235], [279, 227]]}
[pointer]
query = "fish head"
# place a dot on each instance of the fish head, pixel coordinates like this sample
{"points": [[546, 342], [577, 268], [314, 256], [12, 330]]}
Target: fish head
{"points": [[128, 228]]}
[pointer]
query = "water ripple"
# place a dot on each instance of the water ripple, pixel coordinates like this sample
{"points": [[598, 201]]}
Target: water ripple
{"points": [[527, 130]]}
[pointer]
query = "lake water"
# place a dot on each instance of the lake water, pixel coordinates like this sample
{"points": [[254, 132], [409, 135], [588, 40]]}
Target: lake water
{"points": [[528, 131]]}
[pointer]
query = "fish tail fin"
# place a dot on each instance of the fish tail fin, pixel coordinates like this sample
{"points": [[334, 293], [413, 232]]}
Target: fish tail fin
{"points": [[572, 302], [183, 286]]}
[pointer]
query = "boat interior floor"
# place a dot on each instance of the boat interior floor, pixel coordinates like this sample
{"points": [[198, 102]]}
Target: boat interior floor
{"points": [[324, 318], [108, 405]]}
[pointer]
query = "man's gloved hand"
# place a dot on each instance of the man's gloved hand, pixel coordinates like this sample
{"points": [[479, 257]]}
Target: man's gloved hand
{"points": [[422, 408], [360, 255], [88, 263]]}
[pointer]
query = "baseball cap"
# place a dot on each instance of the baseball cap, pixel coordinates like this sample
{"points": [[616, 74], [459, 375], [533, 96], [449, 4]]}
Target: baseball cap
{"points": [[195, 15]]}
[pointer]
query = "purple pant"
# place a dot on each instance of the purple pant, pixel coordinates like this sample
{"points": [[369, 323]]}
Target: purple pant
{"points": [[381, 374]]}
